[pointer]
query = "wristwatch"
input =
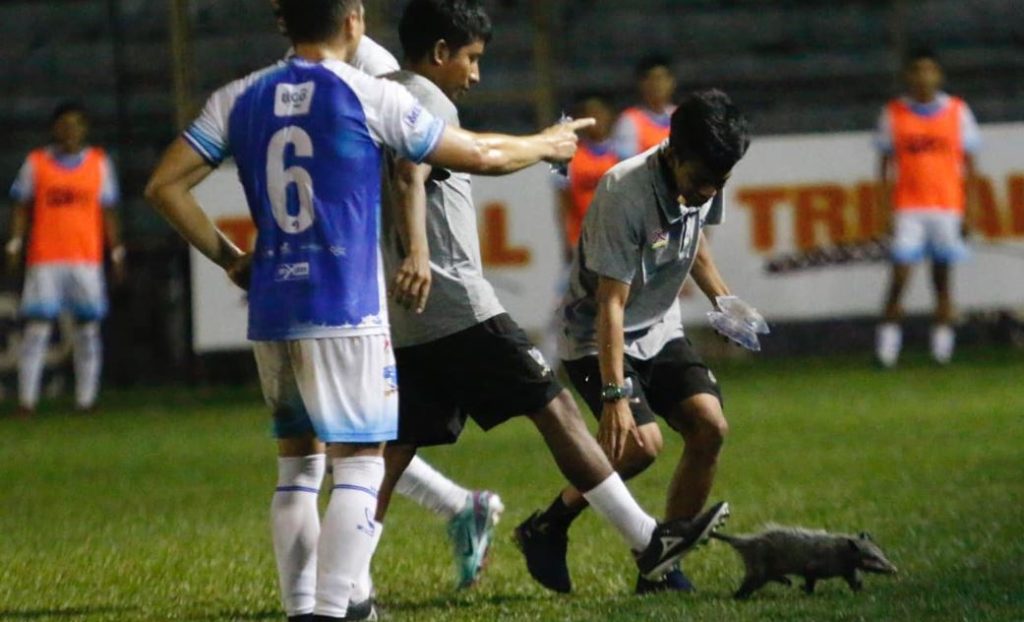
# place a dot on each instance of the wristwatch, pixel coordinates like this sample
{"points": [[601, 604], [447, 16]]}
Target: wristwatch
{"points": [[611, 392]]}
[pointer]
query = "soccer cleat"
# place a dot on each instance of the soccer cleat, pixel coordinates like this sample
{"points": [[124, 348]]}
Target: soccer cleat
{"points": [[365, 610], [673, 539], [471, 531], [674, 581], [544, 545]]}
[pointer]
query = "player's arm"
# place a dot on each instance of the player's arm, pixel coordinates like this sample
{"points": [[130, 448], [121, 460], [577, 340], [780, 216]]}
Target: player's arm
{"points": [[112, 233], [109, 197], [972, 208], [19, 229], [565, 213], [617, 422], [885, 186], [169, 192], [501, 154], [411, 284], [705, 273]]}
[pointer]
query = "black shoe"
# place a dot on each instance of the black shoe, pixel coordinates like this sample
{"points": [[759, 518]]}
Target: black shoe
{"points": [[365, 610], [673, 539], [306, 617], [544, 545], [674, 581]]}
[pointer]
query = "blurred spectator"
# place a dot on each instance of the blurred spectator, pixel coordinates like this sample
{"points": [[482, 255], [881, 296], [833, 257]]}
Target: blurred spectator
{"points": [[927, 140], [64, 200], [643, 126]]}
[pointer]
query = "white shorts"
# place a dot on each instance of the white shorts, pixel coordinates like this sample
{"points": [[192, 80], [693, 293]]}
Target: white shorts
{"points": [[54, 287], [933, 234], [342, 389]]}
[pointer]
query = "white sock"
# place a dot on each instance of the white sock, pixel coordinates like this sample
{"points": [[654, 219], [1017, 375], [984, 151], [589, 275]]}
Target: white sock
{"points": [[364, 586], [295, 526], [888, 341], [613, 501], [427, 487], [34, 341], [347, 536], [88, 354], [943, 342]]}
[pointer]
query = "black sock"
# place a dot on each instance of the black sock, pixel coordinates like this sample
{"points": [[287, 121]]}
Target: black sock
{"points": [[560, 514], [306, 617]]}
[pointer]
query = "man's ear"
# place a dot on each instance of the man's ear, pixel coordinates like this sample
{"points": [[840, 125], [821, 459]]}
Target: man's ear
{"points": [[441, 52]]}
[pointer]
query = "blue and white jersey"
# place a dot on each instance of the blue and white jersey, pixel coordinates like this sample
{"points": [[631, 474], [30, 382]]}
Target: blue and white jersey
{"points": [[307, 138]]}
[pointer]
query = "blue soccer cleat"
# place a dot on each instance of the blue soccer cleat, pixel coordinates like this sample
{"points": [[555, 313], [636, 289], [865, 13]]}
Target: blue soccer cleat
{"points": [[471, 531]]}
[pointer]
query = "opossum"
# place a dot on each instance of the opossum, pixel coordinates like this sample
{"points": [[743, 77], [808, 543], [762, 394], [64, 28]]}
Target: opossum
{"points": [[780, 551]]}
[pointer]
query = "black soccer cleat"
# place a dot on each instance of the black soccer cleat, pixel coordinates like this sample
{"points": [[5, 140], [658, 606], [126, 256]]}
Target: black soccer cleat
{"points": [[673, 539], [675, 581], [365, 610], [544, 545]]}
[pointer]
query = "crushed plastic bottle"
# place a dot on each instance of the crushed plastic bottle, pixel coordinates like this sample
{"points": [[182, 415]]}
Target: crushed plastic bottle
{"points": [[738, 322]]}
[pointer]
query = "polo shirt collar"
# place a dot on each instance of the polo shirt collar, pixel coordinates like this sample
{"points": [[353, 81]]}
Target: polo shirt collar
{"points": [[664, 193]]}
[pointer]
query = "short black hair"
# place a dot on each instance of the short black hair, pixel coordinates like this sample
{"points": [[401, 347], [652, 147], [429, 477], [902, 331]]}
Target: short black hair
{"points": [[920, 53], [652, 61], [67, 106], [458, 22], [708, 127], [314, 21]]}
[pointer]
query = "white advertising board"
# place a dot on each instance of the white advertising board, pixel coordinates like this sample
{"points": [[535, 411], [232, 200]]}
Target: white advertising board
{"points": [[792, 194]]}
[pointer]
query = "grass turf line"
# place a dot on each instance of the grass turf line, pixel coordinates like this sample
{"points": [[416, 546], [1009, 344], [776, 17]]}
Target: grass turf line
{"points": [[157, 508]]}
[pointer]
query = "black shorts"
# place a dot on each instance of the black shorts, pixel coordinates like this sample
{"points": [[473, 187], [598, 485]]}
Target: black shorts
{"points": [[490, 372], [674, 374]]}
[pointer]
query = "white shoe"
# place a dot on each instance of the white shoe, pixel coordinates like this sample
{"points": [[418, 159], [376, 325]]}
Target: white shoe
{"points": [[943, 342], [888, 342]]}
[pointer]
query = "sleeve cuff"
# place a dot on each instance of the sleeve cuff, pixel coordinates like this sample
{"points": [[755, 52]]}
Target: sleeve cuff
{"points": [[430, 143]]}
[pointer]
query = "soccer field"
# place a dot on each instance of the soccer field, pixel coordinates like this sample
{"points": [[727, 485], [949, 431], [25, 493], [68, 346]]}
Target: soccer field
{"points": [[158, 508]]}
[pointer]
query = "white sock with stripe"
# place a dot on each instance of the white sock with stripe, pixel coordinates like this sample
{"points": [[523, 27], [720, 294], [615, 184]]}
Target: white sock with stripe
{"points": [[35, 339], [348, 534], [88, 355], [429, 488], [295, 526], [613, 501]]}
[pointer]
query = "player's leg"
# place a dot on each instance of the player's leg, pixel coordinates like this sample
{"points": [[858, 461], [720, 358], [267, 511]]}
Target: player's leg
{"points": [[908, 247], [86, 292], [348, 387], [294, 513], [947, 248], [40, 306], [585, 375], [657, 547], [429, 415]]}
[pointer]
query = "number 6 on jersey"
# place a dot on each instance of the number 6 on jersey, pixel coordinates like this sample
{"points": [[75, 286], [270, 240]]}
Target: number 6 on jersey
{"points": [[279, 178]]}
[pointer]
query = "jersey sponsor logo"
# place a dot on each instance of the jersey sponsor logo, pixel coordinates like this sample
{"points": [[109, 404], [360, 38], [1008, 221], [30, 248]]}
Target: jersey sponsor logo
{"points": [[293, 100], [413, 115], [659, 239], [292, 272]]}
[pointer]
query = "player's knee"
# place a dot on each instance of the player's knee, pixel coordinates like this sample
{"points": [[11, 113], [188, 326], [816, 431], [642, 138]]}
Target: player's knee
{"points": [[639, 457], [560, 412], [707, 427]]}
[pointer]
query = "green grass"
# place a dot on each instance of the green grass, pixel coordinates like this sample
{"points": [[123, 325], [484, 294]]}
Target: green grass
{"points": [[157, 509]]}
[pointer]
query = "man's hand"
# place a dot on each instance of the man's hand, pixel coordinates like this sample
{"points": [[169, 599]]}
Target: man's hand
{"points": [[411, 284], [617, 424], [12, 254], [563, 138], [117, 264], [240, 272]]}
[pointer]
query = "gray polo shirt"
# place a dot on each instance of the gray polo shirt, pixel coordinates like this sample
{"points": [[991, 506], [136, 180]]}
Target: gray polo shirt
{"points": [[460, 297], [636, 231]]}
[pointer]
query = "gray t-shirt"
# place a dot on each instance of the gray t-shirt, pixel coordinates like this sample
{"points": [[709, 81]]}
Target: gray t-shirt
{"points": [[460, 297], [636, 231]]}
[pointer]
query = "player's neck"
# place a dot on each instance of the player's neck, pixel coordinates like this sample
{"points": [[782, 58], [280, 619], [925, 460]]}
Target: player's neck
{"points": [[338, 48], [67, 150], [924, 98]]}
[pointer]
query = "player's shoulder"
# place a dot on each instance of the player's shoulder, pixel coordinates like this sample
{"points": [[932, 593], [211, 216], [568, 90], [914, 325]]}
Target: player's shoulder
{"points": [[628, 174], [373, 58], [427, 93]]}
